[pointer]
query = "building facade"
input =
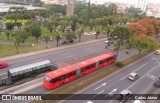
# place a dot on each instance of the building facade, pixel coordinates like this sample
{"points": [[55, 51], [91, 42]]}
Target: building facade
{"points": [[70, 7]]}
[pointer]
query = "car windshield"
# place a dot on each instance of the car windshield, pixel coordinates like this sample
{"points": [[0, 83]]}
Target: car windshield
{"points": [[131, 76]]}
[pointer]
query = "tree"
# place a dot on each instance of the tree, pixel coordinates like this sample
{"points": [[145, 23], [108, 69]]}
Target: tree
{"points": [[137, 29], [91, 23], [64, 24], [35, 30], [57, 35], [148, 24], [18, 36], [23, 35], [143, 42], [156, 24], [9, 26], [73, 22], [80, 31], [45, 35], [118, 35], [98, 29], [70, 36], [1, 27], [7, 33]]}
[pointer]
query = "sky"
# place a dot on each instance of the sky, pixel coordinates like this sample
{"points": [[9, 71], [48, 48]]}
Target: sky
{"points": [[124, 1]]}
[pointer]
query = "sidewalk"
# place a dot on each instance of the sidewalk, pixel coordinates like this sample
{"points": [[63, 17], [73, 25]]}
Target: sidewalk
{"points": [[48, 50]]}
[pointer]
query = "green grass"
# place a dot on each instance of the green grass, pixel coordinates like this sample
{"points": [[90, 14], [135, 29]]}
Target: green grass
{"points": [[8, 50], [3, 37], [92, 78]]}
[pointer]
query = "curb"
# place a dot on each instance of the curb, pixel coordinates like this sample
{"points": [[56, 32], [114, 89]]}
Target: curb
{"points": [[47, 50]]}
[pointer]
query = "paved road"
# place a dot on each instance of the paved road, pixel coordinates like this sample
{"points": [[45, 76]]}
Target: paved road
{"points": [[148, 69]]}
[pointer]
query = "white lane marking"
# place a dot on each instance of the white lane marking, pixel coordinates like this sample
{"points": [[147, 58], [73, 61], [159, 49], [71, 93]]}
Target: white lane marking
{"points": [[137, 69], [108, 76], [142, 77], [114, 90], [147, 88], [156, 60], [151, 76], [100, 86], [98, 93]]}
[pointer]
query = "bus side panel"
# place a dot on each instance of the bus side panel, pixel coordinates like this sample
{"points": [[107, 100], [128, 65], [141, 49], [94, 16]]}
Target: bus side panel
{"points": [[50, 86], [86, 72], [67, 80], [100, 66]]}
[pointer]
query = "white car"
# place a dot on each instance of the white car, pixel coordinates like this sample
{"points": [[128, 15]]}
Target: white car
{"points": [[157, 52], [133, 76], [93, 33], [106, 41], [139, 101]]}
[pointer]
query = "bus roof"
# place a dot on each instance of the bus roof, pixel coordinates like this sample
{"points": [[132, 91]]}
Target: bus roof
{"points": [[26, 67], [104, 56], [85, 63], [60, 71]]}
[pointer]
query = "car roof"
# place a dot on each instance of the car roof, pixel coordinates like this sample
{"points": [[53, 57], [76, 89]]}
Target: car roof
{"points": [[125, 92], [133, 74]]}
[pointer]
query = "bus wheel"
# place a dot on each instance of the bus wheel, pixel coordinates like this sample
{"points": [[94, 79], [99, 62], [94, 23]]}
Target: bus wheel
{"points": [[62, 84]]}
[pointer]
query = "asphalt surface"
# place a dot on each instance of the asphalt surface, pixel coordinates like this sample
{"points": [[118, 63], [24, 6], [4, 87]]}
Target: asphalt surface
{"points": [[148, 70]]}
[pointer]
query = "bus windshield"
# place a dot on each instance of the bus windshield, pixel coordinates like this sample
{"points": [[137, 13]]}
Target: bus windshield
{"points": [[47, 78]]}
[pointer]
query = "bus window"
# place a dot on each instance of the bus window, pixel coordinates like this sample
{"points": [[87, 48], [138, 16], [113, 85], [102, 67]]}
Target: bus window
{"points": [[55, 80]]}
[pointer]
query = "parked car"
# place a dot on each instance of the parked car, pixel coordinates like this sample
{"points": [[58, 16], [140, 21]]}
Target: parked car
{"points": [[3, 65], [124, 95], [133, 76], [106, 41], [70, 41], [63, 42], [157, 52], [157, 83], [93, 33]]}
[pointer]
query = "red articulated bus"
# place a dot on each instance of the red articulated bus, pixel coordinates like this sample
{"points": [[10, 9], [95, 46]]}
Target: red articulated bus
{"points": [[61, 76]]}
